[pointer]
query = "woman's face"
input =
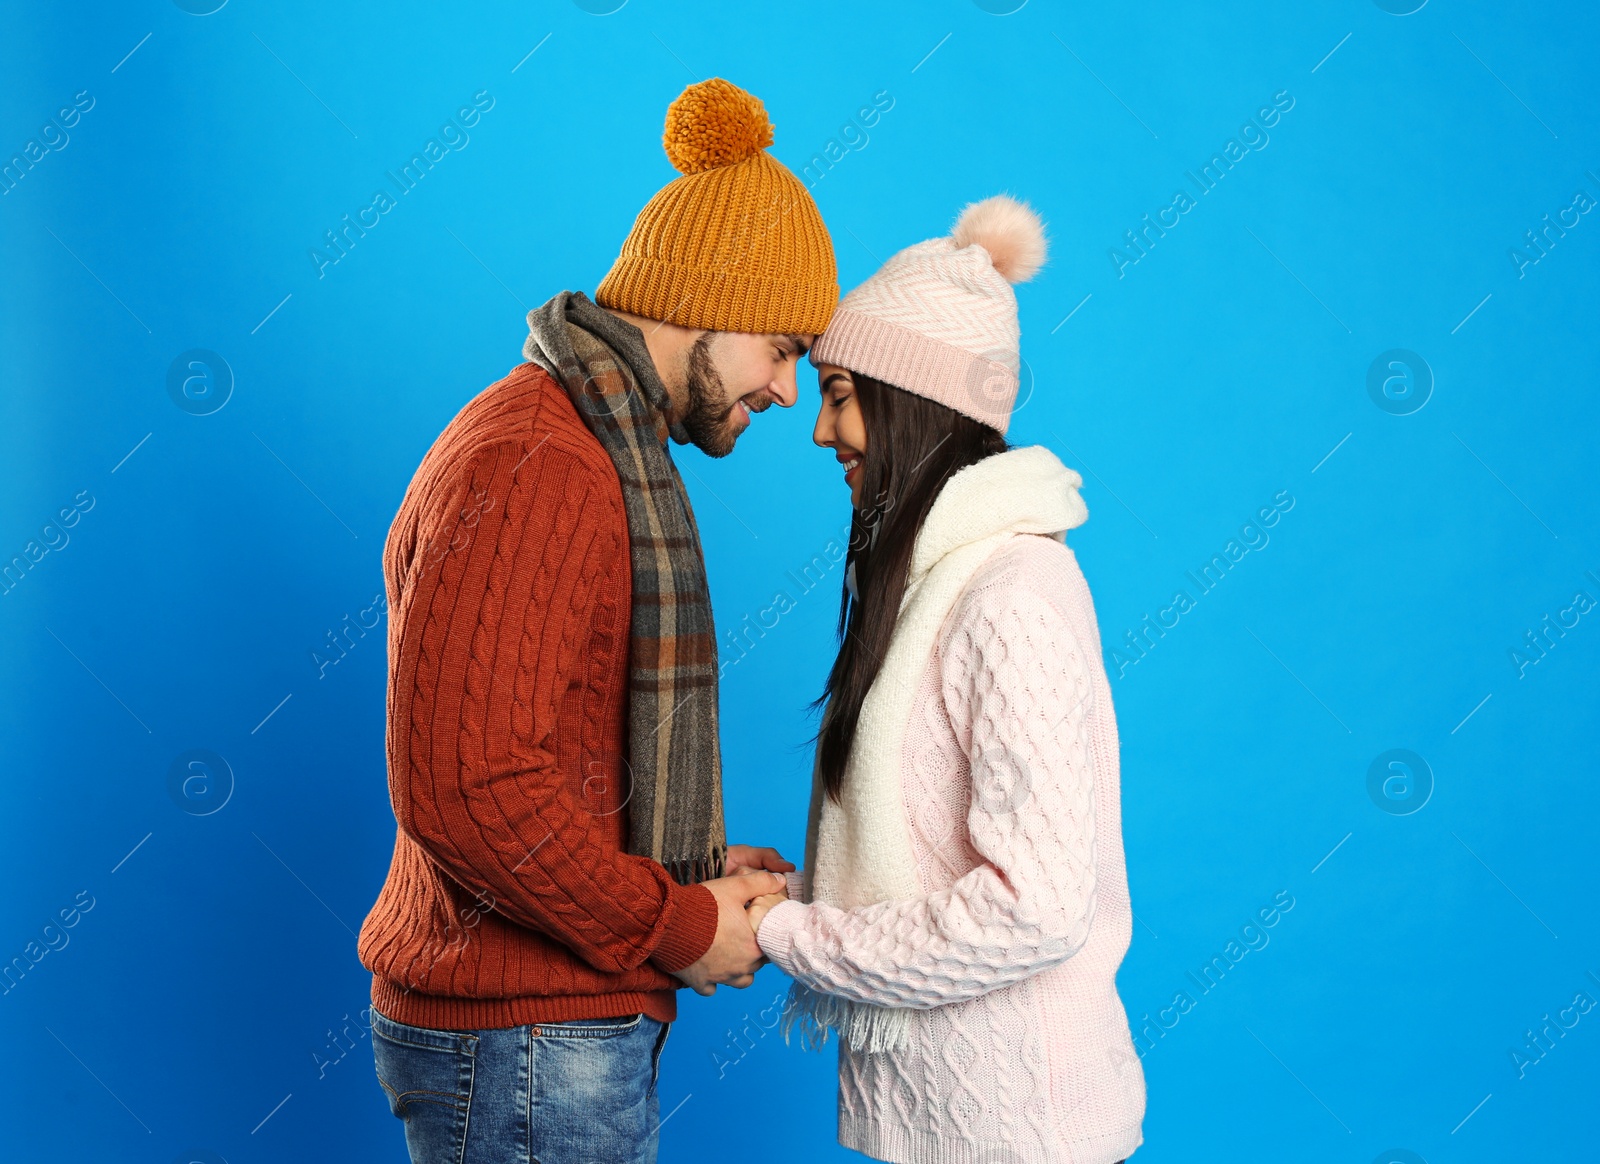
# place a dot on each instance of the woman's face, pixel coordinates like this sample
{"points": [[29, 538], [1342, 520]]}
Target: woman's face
{"points": [[840, 426]]}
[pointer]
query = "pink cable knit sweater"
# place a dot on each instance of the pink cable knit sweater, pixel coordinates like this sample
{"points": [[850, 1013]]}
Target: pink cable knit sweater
{"points": [[1020, 1047]]}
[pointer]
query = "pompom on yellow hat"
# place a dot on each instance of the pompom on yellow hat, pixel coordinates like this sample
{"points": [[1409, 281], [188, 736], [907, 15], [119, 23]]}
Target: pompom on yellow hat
{"points": [[734, 244]]}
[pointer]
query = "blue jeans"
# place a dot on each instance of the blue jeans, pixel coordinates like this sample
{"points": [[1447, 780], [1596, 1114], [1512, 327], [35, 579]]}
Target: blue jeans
{"points": [[577, 1092]]}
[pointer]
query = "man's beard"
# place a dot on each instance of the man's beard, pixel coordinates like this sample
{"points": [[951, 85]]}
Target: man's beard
{"points": [[707, 419]]}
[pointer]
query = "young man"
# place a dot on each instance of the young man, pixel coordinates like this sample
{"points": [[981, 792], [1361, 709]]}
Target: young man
{"points": [[560, 867]]}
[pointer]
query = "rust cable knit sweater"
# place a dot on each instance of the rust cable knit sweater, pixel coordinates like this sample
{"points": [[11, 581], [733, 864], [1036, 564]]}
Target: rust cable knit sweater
{"points": [[510, 898]]}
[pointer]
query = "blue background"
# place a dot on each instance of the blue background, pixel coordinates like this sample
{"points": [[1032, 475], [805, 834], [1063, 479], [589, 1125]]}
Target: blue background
{"points": [[1433, 925]]}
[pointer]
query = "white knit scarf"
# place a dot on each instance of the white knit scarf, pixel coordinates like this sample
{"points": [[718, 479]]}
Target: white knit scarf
{"points": [[859, 851]]}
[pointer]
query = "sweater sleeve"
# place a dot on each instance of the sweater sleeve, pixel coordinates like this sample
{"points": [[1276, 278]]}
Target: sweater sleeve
{"points": [[1014, 672], [507, 575]]}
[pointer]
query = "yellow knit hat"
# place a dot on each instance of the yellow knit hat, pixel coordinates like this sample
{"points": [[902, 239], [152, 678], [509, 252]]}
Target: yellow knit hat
{"points": [[736, 243]]}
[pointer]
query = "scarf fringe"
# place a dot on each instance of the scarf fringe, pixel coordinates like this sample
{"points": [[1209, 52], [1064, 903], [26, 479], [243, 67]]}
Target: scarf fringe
{"points": [[693, 870], [862, 1026]]}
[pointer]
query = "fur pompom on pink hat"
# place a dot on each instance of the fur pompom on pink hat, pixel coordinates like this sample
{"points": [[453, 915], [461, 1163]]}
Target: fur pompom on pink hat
{"points": [[940, 318]]}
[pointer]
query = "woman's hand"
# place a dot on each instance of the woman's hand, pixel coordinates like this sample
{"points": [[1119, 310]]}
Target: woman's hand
{"points": [[757, 909]]}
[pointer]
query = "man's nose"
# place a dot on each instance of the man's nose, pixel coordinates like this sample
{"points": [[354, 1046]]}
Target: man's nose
{"points": [[783, 386]]}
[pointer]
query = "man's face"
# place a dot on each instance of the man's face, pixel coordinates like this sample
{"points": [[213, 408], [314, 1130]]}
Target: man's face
{"points": [[729, 376]]}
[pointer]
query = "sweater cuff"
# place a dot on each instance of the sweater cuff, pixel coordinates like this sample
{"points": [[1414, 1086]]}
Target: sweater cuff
{"points": [[775, 935], [692, 929], [797, 884]]}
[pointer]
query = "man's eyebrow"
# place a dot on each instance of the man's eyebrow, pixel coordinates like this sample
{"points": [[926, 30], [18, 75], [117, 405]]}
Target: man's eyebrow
{"points": [[800, 346]]}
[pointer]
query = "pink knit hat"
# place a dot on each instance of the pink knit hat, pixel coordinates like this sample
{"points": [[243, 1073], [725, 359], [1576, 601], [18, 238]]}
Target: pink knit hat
{"points": [[940, 319]]}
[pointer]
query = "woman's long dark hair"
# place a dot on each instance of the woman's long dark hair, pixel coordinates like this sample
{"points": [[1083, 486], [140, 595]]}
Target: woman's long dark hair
{"points": [[914, 446]]}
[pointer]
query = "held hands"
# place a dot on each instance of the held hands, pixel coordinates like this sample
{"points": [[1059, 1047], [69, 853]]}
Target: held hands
{"points": [[753, 883], [746, 859]]}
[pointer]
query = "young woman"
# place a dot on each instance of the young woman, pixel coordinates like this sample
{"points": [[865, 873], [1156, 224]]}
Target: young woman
{"points": [[964, 903]]}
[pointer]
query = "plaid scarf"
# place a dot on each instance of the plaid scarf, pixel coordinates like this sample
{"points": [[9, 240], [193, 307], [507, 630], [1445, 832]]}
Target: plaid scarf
{"points": [[674, 756]]}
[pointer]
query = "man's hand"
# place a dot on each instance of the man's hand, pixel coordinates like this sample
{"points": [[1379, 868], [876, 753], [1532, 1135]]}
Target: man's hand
{"points": [[734, 956], [751, 857]]}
